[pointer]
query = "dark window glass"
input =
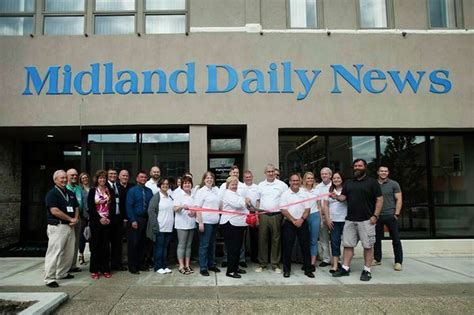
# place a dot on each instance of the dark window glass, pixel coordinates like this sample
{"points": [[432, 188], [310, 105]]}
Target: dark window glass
{"points": [[118, 151], [454, 221], [343, 150], [170, 151], [302, 154], [453, 169], [443, 13]]}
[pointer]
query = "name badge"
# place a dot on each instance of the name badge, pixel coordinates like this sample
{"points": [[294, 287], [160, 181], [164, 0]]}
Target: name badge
{"points": [[117, 200], [70, 209]]}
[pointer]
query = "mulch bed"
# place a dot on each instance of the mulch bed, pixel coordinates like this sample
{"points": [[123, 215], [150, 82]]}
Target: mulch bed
{"points": [[14, 307]]}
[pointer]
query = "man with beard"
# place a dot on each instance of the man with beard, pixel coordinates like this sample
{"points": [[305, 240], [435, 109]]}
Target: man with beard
{"points": [[364, 203], [152, 183]]}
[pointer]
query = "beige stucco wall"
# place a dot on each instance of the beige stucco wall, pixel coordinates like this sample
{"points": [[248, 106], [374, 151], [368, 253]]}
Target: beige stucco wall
{"points": [[263, 113], [242, 51]]}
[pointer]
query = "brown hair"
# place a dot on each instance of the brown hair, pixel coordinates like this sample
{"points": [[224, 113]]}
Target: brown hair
{"points": [[98, 174], [208, 173]]}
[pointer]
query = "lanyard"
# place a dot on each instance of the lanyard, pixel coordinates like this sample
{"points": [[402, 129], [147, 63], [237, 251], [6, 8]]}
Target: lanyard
{"points": [[65, 196]]}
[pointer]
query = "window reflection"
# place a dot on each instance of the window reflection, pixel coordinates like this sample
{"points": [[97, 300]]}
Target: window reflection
{"points": [[165, 24], [115, 5], [64, 5], [303, 13], [63, 25], [114, 25], [165, 4], [16, 6], [223, 145], [130, 137], [16, 26], [453, 169], [343, 150], [373, 13]]}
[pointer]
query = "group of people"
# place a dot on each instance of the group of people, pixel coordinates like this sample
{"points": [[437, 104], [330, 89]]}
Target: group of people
{"points": [[333, 212]]}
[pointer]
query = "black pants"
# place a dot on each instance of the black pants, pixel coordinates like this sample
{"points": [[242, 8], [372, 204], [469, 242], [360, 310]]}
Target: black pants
{"points": [[136, 244], [116, 237], [392, 225], [100, 247], [289, 233], [233, 238], [253, 233]]}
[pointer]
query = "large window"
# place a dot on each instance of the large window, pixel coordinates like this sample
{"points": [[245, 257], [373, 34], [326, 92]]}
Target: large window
{"points": [[445, 13], [165, 16], [304, 13], [114, 17], [133, 152], [64, 17], [16, 17], [373, 14], [434, 173]]}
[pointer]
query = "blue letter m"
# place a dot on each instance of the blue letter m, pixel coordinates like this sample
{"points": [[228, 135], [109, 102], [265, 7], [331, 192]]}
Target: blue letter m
{"points": [[38, 84]]}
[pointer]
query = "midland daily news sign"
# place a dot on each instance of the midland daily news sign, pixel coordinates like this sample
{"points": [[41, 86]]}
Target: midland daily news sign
{"points": [[223, 78]]}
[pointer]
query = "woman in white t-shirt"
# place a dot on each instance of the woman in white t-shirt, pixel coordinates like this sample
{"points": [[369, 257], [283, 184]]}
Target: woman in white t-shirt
{"points": [[314, 219], [207, 197], [335, 213], [165, 218], [233, 225], [184, 223]]}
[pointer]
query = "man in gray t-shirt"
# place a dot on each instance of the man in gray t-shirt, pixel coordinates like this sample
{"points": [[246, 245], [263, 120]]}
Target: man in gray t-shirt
{"points": [[391, 208]]}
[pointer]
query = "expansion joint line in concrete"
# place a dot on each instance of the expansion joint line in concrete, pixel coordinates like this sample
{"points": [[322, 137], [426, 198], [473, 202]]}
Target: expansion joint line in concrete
{"points": [[443, 268], [118, 300]]}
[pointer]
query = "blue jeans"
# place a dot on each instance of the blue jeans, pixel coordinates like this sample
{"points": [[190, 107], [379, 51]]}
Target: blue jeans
{"points": [[207, 247], [314, 221], [392, 225], [161, 249], [336, 235]]}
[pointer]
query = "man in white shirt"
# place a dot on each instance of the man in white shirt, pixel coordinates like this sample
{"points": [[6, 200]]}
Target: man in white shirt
{"points": [[269, 192], [152, 183], [295, 225], [323, 188]]}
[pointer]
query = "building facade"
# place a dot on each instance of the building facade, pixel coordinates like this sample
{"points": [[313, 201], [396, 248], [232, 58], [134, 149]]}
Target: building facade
{"points": [[203, 84]]}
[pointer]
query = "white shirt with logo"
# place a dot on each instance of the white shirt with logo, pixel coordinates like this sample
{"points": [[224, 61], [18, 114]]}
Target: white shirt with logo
{"points": [[289, 196], [233, 202], [269, 194], [208, 198], [182, 220], [165, 213]]}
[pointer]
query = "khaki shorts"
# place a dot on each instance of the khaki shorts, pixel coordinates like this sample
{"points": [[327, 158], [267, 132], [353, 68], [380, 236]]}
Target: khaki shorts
{"points": [[355, 231]]}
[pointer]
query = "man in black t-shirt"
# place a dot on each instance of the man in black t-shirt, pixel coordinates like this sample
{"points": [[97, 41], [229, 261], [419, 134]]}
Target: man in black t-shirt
{"points": [[364, 203], [63, 214]]}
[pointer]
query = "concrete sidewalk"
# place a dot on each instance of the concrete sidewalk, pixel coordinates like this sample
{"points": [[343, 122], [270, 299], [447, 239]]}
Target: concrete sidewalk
{"points": [[431, 284]]}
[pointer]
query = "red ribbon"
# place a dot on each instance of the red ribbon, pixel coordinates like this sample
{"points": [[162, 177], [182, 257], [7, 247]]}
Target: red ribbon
{"points": [[252, 218]]}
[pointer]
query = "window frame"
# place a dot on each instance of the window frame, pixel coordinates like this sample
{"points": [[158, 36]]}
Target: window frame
{"points": [[458, 17], [133, 13], [389, 12], [319, 16], [45, 14], [31, 14], [184, 12]]}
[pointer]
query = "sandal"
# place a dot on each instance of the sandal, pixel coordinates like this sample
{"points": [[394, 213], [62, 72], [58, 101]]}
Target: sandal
{"points": [[183, 271], [107, 275], [82, 261], [95, 276], [189, 270]]}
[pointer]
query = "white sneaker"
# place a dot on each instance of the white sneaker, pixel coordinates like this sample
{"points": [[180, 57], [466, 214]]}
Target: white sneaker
{"points": [[168, 270], [277, 270], [161, 271], [259, 269], [397, 267]]}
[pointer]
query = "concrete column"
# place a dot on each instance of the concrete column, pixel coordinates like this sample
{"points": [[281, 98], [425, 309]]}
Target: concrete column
{"points": [[261, 149], [197, 151]]}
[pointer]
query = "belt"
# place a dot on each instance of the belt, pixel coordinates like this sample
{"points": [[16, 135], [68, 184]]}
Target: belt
{"points": [[56, 222], [272, 214]]}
